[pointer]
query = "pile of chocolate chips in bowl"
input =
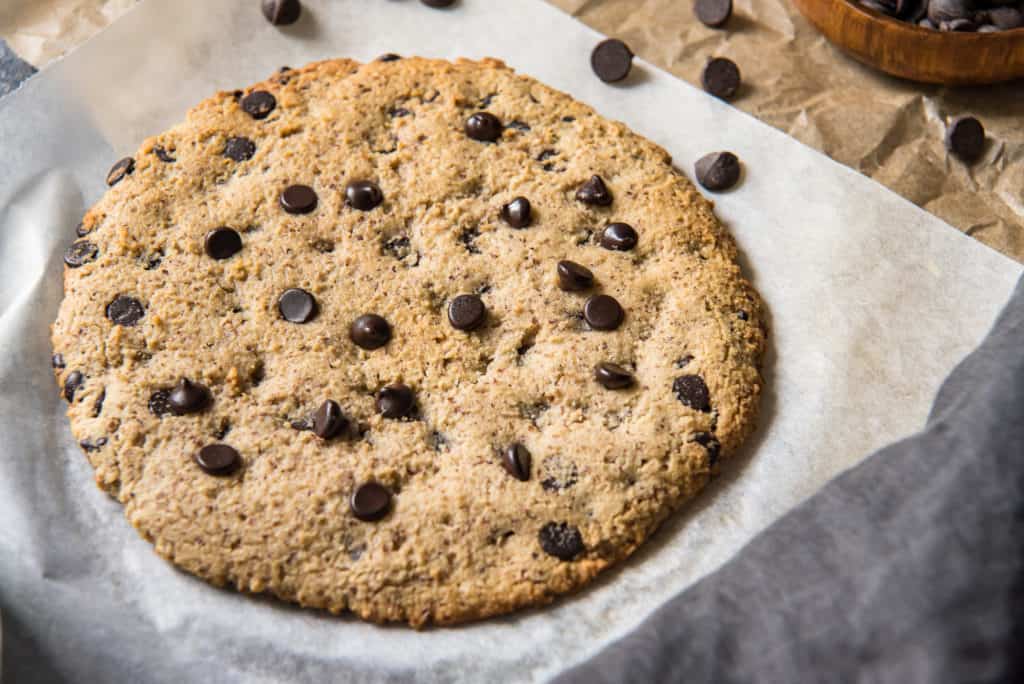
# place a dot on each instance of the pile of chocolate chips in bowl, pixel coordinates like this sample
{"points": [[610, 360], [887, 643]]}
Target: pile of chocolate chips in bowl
{"points": [[983, 16]]}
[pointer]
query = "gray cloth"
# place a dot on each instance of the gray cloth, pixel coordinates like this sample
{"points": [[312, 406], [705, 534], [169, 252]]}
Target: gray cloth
{"points": [[907, 568], [13, 70]]}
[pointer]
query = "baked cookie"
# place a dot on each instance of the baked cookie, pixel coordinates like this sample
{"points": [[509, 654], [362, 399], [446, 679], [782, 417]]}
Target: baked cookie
{"points": [[424, 341]]}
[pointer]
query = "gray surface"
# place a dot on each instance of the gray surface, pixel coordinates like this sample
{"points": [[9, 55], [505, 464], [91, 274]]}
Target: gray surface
{"points": [[908, 568], [13, 70]]}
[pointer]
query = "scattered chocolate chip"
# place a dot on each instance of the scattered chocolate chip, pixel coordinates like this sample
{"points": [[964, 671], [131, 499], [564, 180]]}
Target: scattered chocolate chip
{"points": [[713, 446], [125, 310], [483, 126], [467, 312], [561, 540], [298, 199], [602, 312], [595, 192], [516, 460], [370, 501], [713, 13], [612, 376], [93, 444], [124, 167], [218, 459], [188, 397], [611, 60], [438, 3], [258, 104], [159, 402], [363, 195], [721, 78], [282, 12], [163, 155], [693, 392], [370, 331], [239, 149], [329, 421], [620, 237], [965, 138], [57, 360], [396, 401], [389, 57], [80, 253], [573, 277], [72, 383], [223, 243], [297, 306], [718, 171], [517, 213]]}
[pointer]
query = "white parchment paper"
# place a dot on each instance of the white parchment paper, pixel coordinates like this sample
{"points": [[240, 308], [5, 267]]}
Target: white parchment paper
{"points": [[872, 302]]}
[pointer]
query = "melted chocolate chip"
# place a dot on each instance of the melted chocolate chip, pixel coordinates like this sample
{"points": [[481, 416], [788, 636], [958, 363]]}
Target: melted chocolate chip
{"points": [[693, 392], [603, 312], [223, 243], [396, 401], [80, 253], [72, 383], [298, 199], [124, 167], [561, 540], [467, 312], [329, 421], [363, 195], [218, 459], [620, 237], [611, 60], [297, 306], [370, 501], [370, 332], [483, 126], [516, 460], [612, 376], [239, 149], [594, 192], [188, 397], [125, 310], [573, 277], [259, 104]]}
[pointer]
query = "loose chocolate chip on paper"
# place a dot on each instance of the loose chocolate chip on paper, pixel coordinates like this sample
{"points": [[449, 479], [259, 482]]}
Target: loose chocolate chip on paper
{"points": [[258, 104], [965, 138], [370, 332], [218, 459], [223, 243], [396, 401], [718, 171], [594, 192], [692, 391], [518, 213], [620, 237], [467, 312], [603, 312], [612, 376], [239, 149], [80, 253], [713, 13], [573, 277], [363, 195], [188, 397], [484, 126], [516, 461], [721, 78], [370, 501], [611, 60], [297, 306], [282, 12], [125, 310], [123, 167], [328, 420], [561, 540], [298, 199]]}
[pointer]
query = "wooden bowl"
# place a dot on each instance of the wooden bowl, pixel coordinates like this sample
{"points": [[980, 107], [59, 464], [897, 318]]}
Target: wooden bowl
{"points": [[909, 51]]}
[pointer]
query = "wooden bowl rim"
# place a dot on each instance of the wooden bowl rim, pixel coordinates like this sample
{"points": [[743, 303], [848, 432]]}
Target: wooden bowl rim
{"points": [[967, 36]]}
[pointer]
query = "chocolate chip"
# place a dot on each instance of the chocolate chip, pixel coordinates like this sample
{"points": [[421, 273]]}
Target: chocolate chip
{"points": [[947, 10], [684, 360], [97, 407], [965, 138], [81, 230], [572, 277], [125, 310], [389, 57], [163, 155], [323, 246], [396, 401], [57, 360], [370, 501], [483, 126], [159, 402], [363, 195], [258, 104], [282, 12], [713, 13], [518, 125], [72, 383], [742, 315], [721, 78], [713, 446], [561, 540], [693, 392], [595, 192], [329, 421], [612, 376], [467, 312], [718, 171], [188, 397], [297, 306], [1006, 18], [239, 149], [298, 199], [516, 460], [517, 213], [370, 331], [602, 312], [151, 261], [438, 3], [399, 247], [223, 429], [93, 444], [218, 459], [124, 167], [223, 243], [468, 239], [611, 60], [80, 253], [620, 237]]}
